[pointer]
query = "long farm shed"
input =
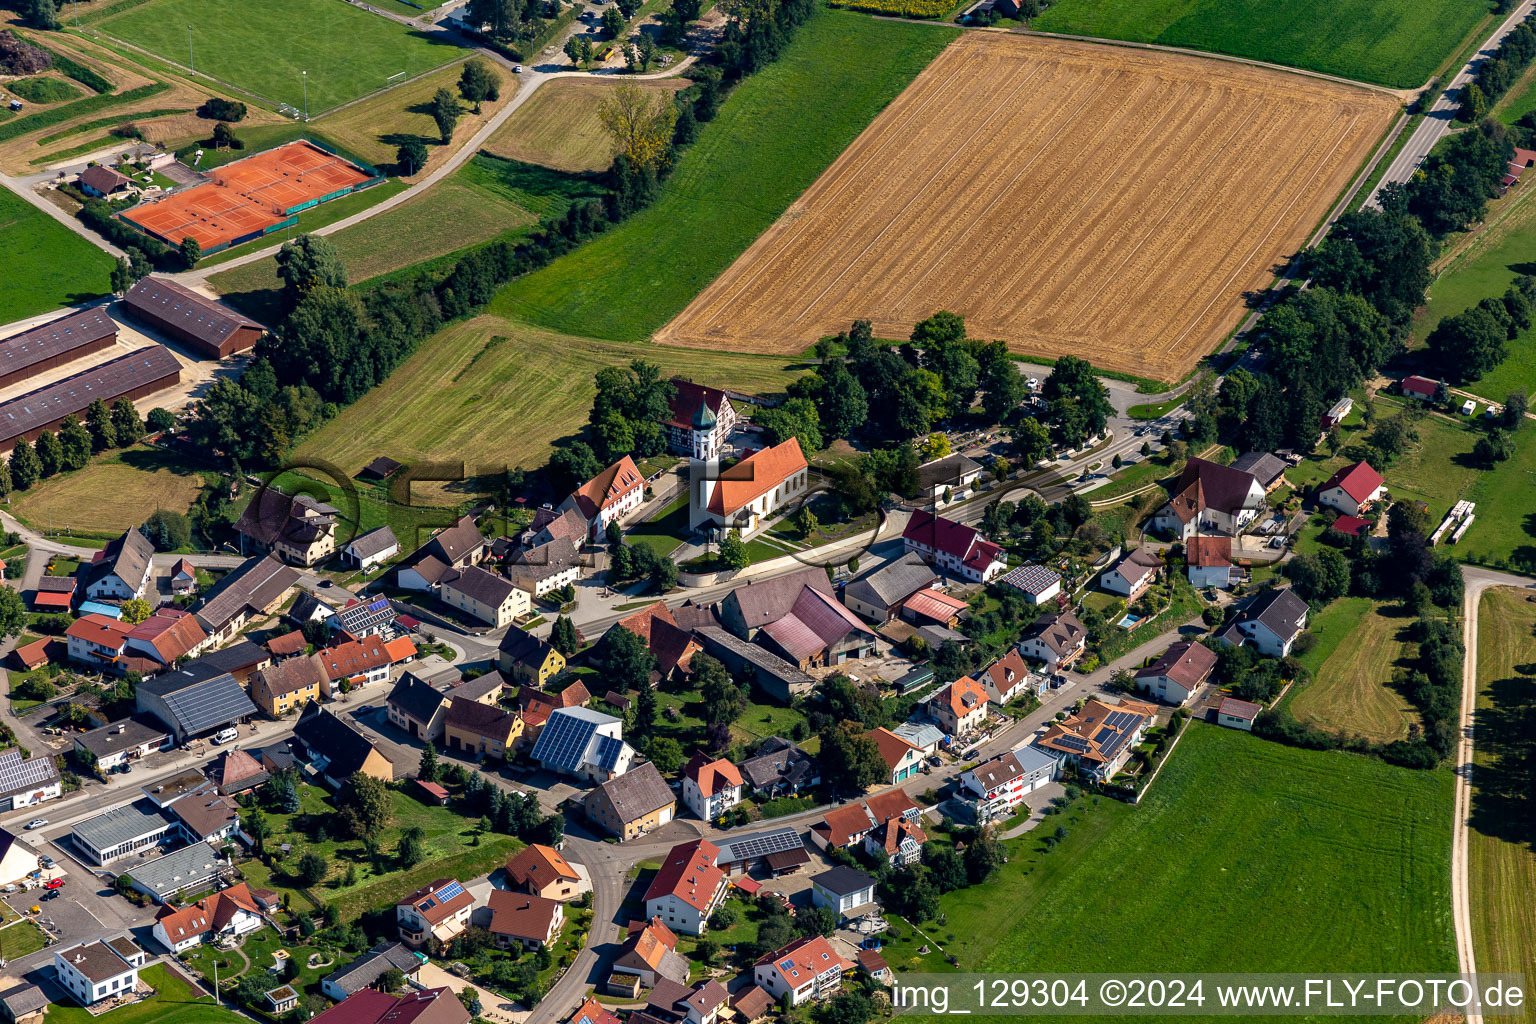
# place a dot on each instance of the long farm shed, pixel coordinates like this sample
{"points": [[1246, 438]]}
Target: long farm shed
{"points": [[55, 343], [133, 376]]}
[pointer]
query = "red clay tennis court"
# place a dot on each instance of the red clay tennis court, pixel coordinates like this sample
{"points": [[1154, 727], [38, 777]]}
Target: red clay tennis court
{"points": [[250, 197]]}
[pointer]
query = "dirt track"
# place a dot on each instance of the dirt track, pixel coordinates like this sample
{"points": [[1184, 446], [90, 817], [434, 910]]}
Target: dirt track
{"points": [[1066, 197]]}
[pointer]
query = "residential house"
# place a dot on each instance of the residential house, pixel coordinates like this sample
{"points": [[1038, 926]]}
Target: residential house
{"points": [[878, 594], [779, 768], [544, 568], [417, 708], [1210, 562], [97, 642], [484, 595], [631, 804], [228, 913], [700, 420], [206, 815], [901, 839], [1007, 678], [770, 673], [368, 969], [296, 528], [1352, 489], [1056, 639], [672, 646], [1210, 497], [748, 608], [25, 781], [480, 730], [817, 631], [256, 588], [1266, 468], [704, 1003], [372, 548], [711, 786], [542, 871], [550, 525], [527, 659], [1132, 575], [537, 705], [522, 919], [357, 662], [103, 182], [901, 758], [1237, 714], [361, 619], [953, 475], [1037, 583], [1181, 670], [1099, 739], [960, 708], [649, 953], [120, 570], [418, 1006], [438, 911], [166, 637], [1420, 389], [454, 547], [591, 1012], [608, 497], [805, 970], [93, 971], [585, 743], [995, 788], [845, 891], [236, 771], [1272, 621], [847, 826], [289, 685], [337, 750], [953, 547], [687, 889], [487, 688], [743, 496]]}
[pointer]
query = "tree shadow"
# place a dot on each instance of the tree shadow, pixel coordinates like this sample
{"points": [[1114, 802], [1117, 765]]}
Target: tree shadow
{"points": [[1530, 523], [1523, 268], [1502, 803]]}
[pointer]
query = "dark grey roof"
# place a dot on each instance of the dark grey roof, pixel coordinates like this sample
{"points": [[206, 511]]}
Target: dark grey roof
{"points": [[175, 871], [127, 556], [272, 515], [368, 968], [96, 960], [257, 583], [1280, 610], [234, 658], [23, 999], [324, 735], [537, 564], [453, 545], [842, 881], [373, 542], [1060, 631], [56, 338], [734, 848], [166, 301], [415, 698], [637, 792], [121, 824], [946, 472], [479, 686], [891, 584], [40, 409], [1266, 468], [206, 705], [485, 587], [523, 647], [777, 760], [109, 739], [764, 660], [56, 584]]}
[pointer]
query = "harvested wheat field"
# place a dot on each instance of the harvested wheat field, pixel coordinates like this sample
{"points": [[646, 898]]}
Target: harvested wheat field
{"points": [[1068, 198]]}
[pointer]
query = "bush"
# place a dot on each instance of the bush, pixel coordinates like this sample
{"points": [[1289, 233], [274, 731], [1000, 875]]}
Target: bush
{"points": [[219, 109]]}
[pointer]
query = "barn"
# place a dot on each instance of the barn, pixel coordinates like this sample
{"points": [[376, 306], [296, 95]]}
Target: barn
{"points": [[208, 328], [132, 376], [55, 343]]}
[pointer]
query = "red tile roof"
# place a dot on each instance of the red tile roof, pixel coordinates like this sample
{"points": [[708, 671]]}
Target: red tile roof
{"points": [[99, 629], [1416, 385], [689, 873], [755, 475], [354, 658], [712, 775], [539, 865], [1358, 481], [1234, 708], [803, 960], [1209, 552], [954, 539], [1349, 526], [608, 488], [892, 747], [1186, 663], [288, 643], [521, 915], [931, 604]]}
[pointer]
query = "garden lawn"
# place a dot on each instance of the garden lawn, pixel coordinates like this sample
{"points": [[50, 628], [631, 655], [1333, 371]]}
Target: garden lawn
{"points": [[21, 938], [174, 1002], [508, 391], [1501, 841], [663, 533], [778, 130], [1505, 530], [1350, 691], [1399, 43], [266, 48], [113, 493], [47, 266], [1243, 856]]}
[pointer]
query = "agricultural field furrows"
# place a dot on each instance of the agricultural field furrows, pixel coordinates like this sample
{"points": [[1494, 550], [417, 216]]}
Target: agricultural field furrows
{"points": [[1108, 203]]}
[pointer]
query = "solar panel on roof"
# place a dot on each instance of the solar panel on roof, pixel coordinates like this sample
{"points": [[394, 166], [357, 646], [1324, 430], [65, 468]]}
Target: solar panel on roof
{"points": [[203, 706], [450, 891]]}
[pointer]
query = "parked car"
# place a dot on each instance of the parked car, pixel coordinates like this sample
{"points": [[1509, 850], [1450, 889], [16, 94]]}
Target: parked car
{"points": [[54, 883], [49, 895], [45, 860], [37, 823], [226, 735]]}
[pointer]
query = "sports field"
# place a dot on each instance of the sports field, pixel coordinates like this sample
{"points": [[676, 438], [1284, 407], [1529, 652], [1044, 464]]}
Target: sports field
{"points": [[1391, 42], [1357, 651], [559, 127], [1244, 856], [47, 266], [1109, 203], [491, 390], [266, 49], [769, 141], [1501, 843]]}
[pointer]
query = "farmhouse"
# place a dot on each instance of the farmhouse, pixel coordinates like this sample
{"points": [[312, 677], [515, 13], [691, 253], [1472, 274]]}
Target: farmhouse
{"points": [[1352, 489], [121, 569], [672, 646], [631, 804], [608, 497], [687, 889], [953, 547], [526, 658], [486, 596], [167, 636], [1132, 575], [743, 496], [454, 547], [439, 910], [1037, 583], [1272, 621], [774, 676], [296, 528], [418, 708], [1055, 639], [546, 567], [1181, 670], [1210, 562], [290, 684], [480, 730], [701, 420], [254, 589], [209, 328], [711, 786], [878, 594], [1210, 497], [584, 743], [953, 473], [1237, 714], [55, 343], [747, 609], [1099, 739], [817, 631]]}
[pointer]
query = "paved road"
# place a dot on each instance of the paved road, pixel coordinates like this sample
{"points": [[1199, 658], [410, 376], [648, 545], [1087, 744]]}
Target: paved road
{"points": [[1477, 581], [1439, 120]]}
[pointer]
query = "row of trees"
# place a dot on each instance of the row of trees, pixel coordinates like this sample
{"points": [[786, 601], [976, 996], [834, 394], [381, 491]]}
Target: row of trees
{"points": [[72, 446], [1472, 343], [1497, 73]]}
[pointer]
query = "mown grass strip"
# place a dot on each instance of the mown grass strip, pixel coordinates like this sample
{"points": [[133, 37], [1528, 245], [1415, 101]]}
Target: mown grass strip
{"points": [[108, 122], [46, 118]]}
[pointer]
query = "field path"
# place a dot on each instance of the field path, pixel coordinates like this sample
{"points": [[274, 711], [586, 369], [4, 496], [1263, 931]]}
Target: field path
{"points": [[1477, 581]]}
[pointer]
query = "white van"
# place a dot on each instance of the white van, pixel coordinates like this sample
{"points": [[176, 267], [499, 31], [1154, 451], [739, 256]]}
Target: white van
{"points": [[226, 735]]}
